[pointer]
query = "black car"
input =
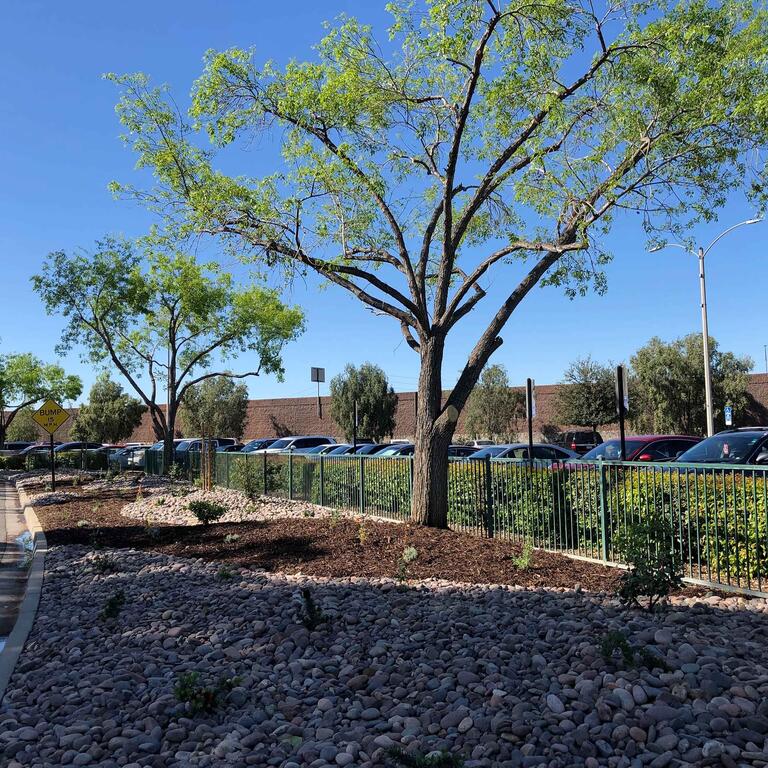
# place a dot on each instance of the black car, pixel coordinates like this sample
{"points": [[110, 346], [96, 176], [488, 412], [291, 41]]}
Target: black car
{"points": [[459, 451], [579, 441], [743, 445]]}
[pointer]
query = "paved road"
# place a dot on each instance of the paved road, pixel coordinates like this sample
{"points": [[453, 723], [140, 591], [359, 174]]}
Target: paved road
{"points": [[12, 576]]}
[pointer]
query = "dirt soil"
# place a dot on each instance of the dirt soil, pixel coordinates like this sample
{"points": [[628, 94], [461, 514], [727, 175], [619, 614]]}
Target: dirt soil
{"points": [[319, 547]]}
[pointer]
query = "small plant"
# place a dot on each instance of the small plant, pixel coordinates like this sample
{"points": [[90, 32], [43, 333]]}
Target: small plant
{"points": [[335, 517], [96, 507], [139, 493], [311, 617], [362, 533], [103, 564], [410, 554], [109, 475], [441, 759], [308, 513], [201, 698], [248, 481], [206, 512], [160, 502], [615, 645], [655, 567], [225, 573], [232, 538], [647, 659], [113, 606], [175, 471], [76, 481], [523, 561], [82, 523], [47, 487]]}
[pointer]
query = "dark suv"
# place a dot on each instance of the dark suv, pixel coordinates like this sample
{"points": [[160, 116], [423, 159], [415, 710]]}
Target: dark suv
{"points": [[743, 445], [580, 442]]}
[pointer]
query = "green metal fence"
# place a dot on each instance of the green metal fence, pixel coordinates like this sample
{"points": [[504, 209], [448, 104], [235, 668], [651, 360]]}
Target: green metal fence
{"points": [[718, 513]]}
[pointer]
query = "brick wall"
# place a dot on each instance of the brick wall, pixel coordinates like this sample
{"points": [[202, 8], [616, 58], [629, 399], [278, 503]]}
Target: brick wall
{"points": [[299, 416]]}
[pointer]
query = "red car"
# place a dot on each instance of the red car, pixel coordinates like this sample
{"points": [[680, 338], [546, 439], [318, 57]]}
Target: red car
{"points": [[643, 448]]}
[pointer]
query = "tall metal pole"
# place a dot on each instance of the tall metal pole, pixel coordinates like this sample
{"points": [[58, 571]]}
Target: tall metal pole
{"points": [[705, 340], [621, 410], [529, 414], [765, 352]]}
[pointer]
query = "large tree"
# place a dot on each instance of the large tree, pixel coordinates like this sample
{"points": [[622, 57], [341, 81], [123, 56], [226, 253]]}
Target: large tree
{"points": [[164, 320], [588, 395], [485, 140], [25, 380], [376, 401], [110, 414], [24, 428], [668, 385], [215, 408], [494, 407]]}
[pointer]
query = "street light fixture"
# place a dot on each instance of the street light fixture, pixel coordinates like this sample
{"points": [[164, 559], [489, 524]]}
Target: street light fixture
{"points": [[700, 254]]}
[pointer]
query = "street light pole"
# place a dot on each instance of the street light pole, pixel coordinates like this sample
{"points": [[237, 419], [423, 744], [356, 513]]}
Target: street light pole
{"points": [[700, 254], [705, 340]]}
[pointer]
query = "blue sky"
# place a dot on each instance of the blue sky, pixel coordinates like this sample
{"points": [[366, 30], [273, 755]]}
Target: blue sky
{"points": [[59, 148]]}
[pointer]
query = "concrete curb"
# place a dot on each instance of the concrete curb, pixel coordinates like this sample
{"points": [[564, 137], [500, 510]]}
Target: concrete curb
{"points": [[9, 656]]}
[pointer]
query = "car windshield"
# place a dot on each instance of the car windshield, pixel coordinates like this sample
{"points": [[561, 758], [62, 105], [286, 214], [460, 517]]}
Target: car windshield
{"points": [[728, 448], [610, 450], [338, 450], [282, 443], [491, 450], [184, 445]]}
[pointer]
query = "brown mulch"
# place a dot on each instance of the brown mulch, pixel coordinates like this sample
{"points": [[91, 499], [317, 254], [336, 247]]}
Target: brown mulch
{"points": [[320, 547]]}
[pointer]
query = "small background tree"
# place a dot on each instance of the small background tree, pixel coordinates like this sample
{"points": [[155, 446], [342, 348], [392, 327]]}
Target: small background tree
{"points": [[215, 408], [494, 407], [588, 397], [110, 414], [26, 380], [24, 427], [668, 385], [376, 401]]}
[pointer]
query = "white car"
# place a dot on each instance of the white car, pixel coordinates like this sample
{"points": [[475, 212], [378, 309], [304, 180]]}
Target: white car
{"points": [[295, 442]]}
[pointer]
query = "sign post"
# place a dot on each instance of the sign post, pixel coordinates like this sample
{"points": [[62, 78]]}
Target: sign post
{"points": [[622, 405], [728, 412], [50, 416], [530, 412], [318, 375], [354, 426]]}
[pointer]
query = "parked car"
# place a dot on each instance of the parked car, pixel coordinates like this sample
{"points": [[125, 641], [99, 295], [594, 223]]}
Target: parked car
{"points": [[315, 450], [345, 449], [579, 441], [130, 457], [258, 444], [17, 445], [77, 446], [742, 445], [481, 443], [37, 448], [234, 448], [643, 448], [295, 442], [458, 451], [368, 449], [195, 444], [397, 449], [541, 452], [160, 444]]}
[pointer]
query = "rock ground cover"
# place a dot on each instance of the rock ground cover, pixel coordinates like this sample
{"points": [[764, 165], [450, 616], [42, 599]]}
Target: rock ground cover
{"points": [[502, 676]]}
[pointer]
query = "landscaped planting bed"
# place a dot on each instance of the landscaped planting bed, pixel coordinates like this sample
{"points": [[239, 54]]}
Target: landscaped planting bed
{"points": [[315, 641]]}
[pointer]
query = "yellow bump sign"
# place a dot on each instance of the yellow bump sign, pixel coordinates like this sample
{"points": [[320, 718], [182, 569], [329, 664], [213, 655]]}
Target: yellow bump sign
{"points": [[50, 416]]}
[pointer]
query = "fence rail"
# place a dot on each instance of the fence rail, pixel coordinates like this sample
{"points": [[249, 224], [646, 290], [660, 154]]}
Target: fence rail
{"points": [[718, 513]]}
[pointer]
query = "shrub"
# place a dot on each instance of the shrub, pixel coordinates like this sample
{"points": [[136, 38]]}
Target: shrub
{"points": [[655, 567], [311, 616], [225, 573], [615, 645], [201, 698], [206, 512], [438, 759], [103, 564], [113, 606], [410, 554], [523, 561], [247, 476]]}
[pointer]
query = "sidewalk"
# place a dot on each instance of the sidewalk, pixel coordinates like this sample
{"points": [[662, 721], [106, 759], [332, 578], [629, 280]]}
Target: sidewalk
{"points": [[12, 577]]}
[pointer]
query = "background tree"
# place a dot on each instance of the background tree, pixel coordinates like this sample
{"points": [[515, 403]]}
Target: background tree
{"points": [[376, 402], [26, 380], [494, 407], [110, 415], [163, 319], [588, 397], [24, 428], [215, 408], [481, 134], [668, 385]]}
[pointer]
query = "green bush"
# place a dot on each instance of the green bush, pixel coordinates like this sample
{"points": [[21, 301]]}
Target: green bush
{"points": [[655, 566], [206, 512]]}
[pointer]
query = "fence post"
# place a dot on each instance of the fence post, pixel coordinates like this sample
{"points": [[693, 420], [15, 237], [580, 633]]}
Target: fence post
{"points": [[603, 512], [362, 485], [410, 484], [264, 467], [322, 480], [290, 475], [488, 498]]}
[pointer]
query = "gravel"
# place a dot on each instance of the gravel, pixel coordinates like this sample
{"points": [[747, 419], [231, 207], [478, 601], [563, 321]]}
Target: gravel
{"points": [[501, 675]]}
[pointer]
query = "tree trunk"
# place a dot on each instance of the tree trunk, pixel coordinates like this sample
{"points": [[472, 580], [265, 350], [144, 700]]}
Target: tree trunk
{"points": [[2, 434], [170, 431], [434, 430]]}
